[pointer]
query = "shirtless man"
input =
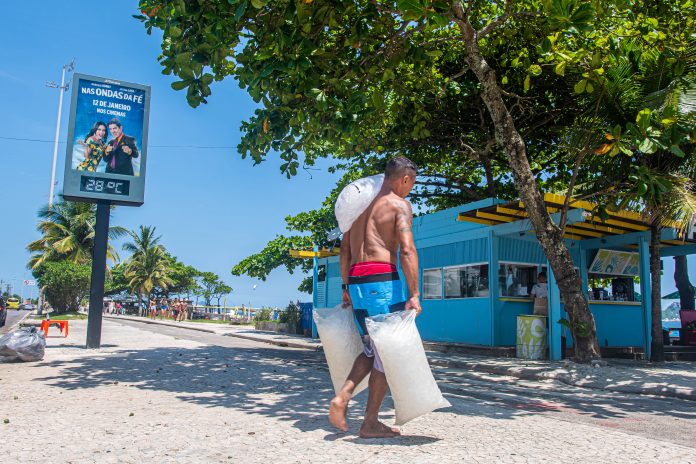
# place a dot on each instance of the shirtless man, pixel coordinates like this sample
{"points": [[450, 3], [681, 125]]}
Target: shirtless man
{"points": [[371, 284]]}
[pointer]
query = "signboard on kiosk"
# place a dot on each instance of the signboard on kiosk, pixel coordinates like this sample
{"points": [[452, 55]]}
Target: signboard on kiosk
{"points": [[615, 263], [106, 156], [691, 230]]}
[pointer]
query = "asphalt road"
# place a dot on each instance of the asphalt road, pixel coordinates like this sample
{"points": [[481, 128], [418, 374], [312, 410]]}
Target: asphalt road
{"points": [[669, 420], [14, 317]]}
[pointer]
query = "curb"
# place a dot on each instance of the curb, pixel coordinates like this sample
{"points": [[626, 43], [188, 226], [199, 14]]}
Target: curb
{"points": [[282, 343], [17, 323], [167, 324], [276, 342], [566, 378]]}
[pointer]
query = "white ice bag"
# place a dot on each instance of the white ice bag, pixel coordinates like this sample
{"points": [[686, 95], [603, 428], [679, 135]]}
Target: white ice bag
{"points": [[410, 380], [341, 341], [355, 198]]}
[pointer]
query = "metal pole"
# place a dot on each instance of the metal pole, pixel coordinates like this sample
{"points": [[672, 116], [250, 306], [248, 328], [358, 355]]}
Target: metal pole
{"points": [[96, 289], [61, 89]]}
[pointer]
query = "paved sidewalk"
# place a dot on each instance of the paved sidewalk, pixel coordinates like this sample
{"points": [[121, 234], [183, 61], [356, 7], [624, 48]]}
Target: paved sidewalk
{"points": [[149, 397], [670, 379]]}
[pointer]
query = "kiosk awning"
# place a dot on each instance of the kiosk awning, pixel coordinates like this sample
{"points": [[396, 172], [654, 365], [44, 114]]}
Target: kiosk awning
{"points": [[590, 227]]}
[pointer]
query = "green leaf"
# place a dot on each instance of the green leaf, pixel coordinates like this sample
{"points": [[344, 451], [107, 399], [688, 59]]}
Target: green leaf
{"points": [[258, 4], [412, 9], [527, 83], [647, 146], [677, 151], [560, 68], [546, 45], [183, 58], [241, 9], [174, 32], [580, 86], [179, 85], [643, 120], [535, 70]]}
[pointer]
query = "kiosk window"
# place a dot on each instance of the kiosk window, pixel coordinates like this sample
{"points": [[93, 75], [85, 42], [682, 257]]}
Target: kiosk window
{"points": [[466, 281], [517, 280], [432, 284]]}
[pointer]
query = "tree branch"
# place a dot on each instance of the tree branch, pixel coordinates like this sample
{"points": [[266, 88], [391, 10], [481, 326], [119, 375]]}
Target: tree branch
{"points": [[569, 193]]}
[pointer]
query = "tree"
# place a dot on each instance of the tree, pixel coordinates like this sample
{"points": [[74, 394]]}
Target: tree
{"points": [[148, 267], [116, 281], [68, 234], [210, 286], [684, 286], [333, 76], [670, 199], [65, 284], [648, 113], [183, 279]]}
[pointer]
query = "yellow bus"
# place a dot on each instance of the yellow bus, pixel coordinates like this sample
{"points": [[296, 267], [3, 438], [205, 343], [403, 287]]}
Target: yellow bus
{"points": [[13, 303]]}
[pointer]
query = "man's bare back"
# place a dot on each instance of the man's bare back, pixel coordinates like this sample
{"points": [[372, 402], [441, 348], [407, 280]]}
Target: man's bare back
{"points": [[374, 236]]}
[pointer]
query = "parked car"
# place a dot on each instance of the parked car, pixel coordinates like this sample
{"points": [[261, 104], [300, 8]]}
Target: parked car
{"points": [[28, 306], [13, 303], [3, 313]]}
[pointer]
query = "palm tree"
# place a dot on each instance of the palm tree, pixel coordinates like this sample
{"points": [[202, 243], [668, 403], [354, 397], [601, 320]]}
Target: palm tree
{"points": [[652, 100], [148, 270], [142, 241], [149, 266], [68, 234]]}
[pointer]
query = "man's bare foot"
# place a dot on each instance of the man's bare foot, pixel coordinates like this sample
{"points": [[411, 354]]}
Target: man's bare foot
{"points": [[378, 430], [337, 413]]}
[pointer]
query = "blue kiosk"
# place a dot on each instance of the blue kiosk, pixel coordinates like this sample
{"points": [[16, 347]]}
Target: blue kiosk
{"points": [[478, 263]]}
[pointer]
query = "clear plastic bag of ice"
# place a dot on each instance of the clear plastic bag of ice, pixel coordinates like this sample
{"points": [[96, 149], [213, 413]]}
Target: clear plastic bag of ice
{"points": [[341, 342], [411, 382], [355, 198]]}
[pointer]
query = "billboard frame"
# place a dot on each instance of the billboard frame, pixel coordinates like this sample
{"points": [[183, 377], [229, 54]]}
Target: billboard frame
{"points": [[73, 178]]}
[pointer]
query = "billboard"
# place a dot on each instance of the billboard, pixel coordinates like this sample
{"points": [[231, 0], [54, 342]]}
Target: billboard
{"points": [[106, 155]]}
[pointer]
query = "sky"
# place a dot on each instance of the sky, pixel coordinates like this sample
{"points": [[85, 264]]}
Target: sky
{"points": [[211, 207]]}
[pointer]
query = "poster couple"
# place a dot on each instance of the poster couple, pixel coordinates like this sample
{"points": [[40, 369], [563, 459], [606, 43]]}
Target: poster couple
{"points": [[117, 153]]}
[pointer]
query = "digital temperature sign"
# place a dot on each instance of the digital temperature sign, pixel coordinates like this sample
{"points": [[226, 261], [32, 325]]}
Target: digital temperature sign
{"points": [[104, 185], [106, 159]]}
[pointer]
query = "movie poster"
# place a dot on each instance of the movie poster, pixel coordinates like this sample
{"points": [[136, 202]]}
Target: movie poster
{"points": [[108, 130]]}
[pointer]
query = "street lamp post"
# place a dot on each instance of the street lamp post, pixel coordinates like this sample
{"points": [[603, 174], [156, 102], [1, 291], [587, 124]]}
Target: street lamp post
{"points": [[61, 88]]}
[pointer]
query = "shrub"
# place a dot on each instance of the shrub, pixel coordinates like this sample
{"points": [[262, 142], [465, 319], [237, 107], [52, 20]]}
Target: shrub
{"points": [[65, 284], [263, 315], [292, 315]]}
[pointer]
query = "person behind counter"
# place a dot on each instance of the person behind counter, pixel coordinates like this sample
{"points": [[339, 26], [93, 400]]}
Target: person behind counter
{"points": [[540, 293]]}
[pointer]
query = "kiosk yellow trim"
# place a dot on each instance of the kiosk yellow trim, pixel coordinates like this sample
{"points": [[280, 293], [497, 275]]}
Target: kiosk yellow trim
{"points": [[307, 254]]}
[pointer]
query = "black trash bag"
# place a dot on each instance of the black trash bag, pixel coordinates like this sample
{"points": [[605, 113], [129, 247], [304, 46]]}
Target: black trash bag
{"points": [[26, 344]]}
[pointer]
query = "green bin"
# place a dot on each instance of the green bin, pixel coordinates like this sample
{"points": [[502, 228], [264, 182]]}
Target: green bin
{"points": [[531, 336]]}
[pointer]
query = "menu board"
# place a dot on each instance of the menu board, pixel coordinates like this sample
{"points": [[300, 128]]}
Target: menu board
{"points": [[618, 263]]}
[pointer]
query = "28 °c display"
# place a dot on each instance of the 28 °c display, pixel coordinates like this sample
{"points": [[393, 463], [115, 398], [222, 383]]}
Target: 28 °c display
{"points": [[104, 185]]}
